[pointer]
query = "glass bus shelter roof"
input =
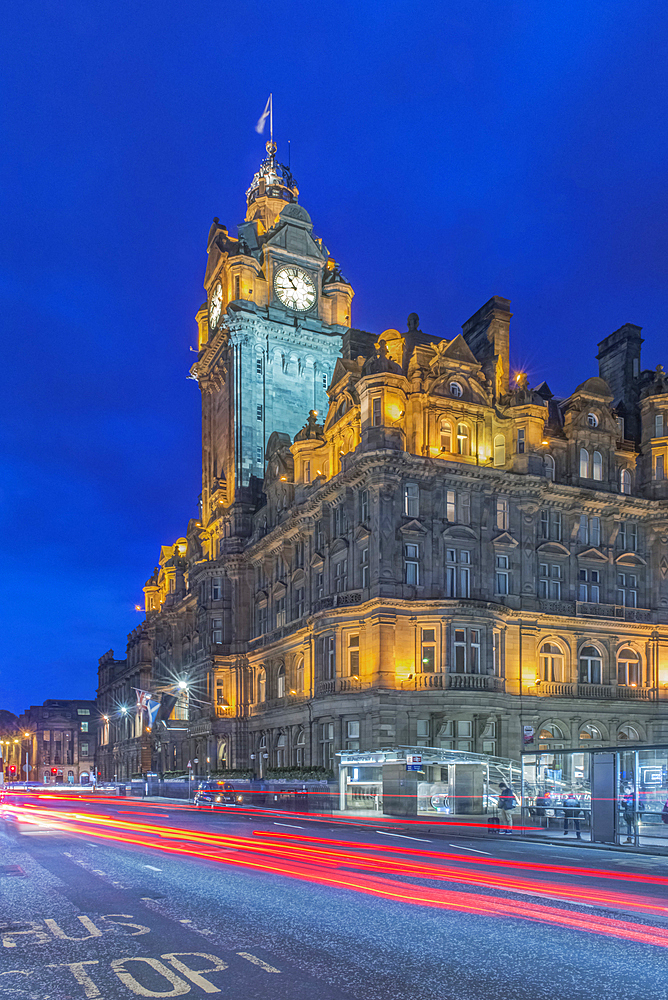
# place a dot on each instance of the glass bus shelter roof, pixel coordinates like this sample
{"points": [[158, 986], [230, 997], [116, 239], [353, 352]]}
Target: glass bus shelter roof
{"points": [[430, 755]]}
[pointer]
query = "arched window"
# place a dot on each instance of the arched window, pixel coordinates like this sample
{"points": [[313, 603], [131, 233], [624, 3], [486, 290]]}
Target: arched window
{"points": [[456, 390], [499, 451], [591, 665], [281, 744], [551, 731], [299, 676], [549, 467], [592, 420], [629, 672], [262, 685], [300, 743], [584, 463], [628, 733], [463, 440], [598, 466], [222, 755], [625, 481], [446, 435], [590, 732], [280, 682], [551, 662]]}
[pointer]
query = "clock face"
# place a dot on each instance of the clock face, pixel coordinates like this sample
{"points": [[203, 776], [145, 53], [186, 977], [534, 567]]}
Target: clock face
{"points": [[295, 288], [215, 305]]}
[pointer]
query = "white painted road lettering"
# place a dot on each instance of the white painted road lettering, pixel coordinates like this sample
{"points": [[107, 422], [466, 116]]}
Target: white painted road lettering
{"points": [[81, 976], [257, 961], [179, 986], [195, 975]]}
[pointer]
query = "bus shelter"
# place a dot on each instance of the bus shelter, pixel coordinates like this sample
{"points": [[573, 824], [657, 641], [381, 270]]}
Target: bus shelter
{"points": [[423, 781], [608, 795]]}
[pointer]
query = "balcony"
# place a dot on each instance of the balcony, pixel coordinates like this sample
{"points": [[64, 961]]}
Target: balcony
{"points": [[617, 611], [475, 682], [602, 692], [345, 600], [339, 685]]}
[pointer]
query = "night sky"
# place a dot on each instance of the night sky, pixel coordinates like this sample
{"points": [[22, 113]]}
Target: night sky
{"points": [[446, 153]]}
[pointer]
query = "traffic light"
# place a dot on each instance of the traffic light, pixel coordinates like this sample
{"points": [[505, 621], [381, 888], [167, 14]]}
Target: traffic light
{"points": [[54, 770], [12, 770]]}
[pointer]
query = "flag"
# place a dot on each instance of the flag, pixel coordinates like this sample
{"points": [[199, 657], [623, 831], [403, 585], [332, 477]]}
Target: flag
{"points": [[167, 703], [262, 120], [143, 699], [152, 711]]}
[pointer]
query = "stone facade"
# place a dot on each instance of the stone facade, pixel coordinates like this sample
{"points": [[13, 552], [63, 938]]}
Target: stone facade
{"points": [[441, 556], [61, 741]]}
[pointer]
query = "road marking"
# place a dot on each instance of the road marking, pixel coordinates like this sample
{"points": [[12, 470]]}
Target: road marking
{"points": [[291, 825], [152, 867], [403, 836], [257, 961], [457, 847], [91, 844]]}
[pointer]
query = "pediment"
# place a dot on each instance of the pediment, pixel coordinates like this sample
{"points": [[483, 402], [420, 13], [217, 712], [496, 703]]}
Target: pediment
{"points": [[505, 538], [553, 549], [261, 598], [459, 350], [279, 590], [630, 559], [412, 528], [593, 555], [298, 577], [458, 531], [340, 545], [317, 562], [362, 533], [293, 237]]}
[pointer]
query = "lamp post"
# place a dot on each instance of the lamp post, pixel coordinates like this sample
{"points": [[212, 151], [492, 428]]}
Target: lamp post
{"points": [[27, 765]]}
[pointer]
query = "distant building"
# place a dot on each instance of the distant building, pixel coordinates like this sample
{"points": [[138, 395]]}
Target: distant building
{"points": [[399, 540], [61, 741]]}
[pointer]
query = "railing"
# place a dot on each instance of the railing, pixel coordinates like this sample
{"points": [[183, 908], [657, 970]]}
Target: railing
{"points": [[618, 611], [557, 607], [475, 682], [558, 688], [595, 691], [339, 685], [338, 600], [566, 689], [640, 693], [225, 711], [423, 681]]}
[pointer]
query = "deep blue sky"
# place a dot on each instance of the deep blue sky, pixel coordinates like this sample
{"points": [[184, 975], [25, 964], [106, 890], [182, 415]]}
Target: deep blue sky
{"points": [[446, 152]]}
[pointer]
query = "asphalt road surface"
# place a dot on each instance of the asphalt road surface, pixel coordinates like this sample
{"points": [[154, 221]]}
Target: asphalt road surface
{"points": [[127, 899]]}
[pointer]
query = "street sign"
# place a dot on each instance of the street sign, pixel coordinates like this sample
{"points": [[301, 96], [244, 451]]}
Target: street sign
{"points": [[27, 768], [197, 760], [413, 762]]}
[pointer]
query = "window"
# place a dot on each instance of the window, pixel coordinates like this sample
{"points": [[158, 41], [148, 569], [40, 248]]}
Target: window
{"points": [[280, 612], [80, 711], [592, 420], [258, 455], [341, 576], [591, 665], [428, 651], [377, 417], [280, 682], [550, 524], [627, 590], [83, 750], [636, 367], [590, 733], [549, 581], [353, 735], [521, 440], [456, 390], [307, 472], [460, 651], [261, 619], [658, 425], [474, 637], [320, 585], [261, 685], [548, 464], [583, 530], [258, 367], [446, 436], [364, 562], [628, 668], [364, 505], [329, 648], [299, 553], [620, 428], [457, 573], [327, 744], [595, 531], [467, 652], [298, 604], [627, 536], [584, 463], [463, 440], [84, 727], [319, 536], [451, 506], [216, 630], [624, 481], [589, 586], [280, 749], [300, 744], [502, 575], [216, 590], [299, 676], [412, 565], [628, 733], [497, 654], [598, 466], [502, 514], [422, 733], [324, 380], [659, 468], [464, 508], [411, 500], [354, 655], [499, 451], [220, 696], [258, 411]]}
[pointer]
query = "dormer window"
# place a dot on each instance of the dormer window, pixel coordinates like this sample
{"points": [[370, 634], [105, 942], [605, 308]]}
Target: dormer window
{"points": [[592, 420], [456, 390]]}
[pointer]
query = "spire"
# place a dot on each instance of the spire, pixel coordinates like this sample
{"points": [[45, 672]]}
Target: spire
{"points": [[272, 188]]}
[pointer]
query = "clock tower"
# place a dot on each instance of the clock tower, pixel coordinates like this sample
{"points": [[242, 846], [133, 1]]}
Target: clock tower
{"points": [[269, 334]]}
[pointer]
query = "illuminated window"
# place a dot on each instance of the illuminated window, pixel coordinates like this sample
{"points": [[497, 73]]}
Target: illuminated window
{"points": [[463, 440], [354, 655], [628, 668], [280, 682], [502, 514], [598, 466], [584, 463], [446, 436], [428, 651], [262, 685], [551, 665]]}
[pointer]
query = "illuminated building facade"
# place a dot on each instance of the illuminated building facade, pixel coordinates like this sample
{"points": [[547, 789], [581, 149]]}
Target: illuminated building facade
{"points": [[430, 552], [58, 741]]}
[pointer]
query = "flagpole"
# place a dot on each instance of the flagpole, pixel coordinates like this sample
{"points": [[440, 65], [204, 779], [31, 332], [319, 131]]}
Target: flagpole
{"points": [[271, 117]]}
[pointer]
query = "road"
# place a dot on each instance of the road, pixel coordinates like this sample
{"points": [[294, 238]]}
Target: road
{"points": [[129, 899]]}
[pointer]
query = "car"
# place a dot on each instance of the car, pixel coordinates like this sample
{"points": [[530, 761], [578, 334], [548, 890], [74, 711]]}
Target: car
{"points": [[214, 794], [24, 815]]}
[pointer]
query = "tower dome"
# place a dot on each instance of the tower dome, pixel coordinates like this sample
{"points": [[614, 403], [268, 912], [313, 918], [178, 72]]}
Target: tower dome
{"points": [[271, 189]]}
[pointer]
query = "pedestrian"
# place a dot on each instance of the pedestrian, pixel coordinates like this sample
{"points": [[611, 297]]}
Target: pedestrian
{"points": [[664, 813], [628, 813], [507, 803], [572, 810]]}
